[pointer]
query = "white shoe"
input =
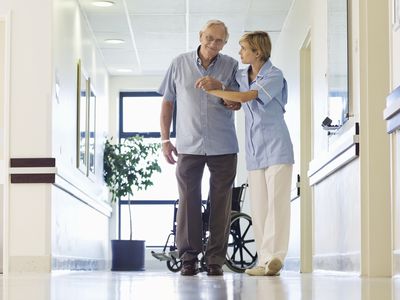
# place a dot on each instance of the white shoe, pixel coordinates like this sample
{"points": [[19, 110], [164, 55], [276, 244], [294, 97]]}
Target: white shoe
{"points": [[273, 267], [256, 271]]}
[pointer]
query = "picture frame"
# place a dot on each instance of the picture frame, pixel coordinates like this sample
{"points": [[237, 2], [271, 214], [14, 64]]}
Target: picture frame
{"points": [[91, 130], [82, 119]]}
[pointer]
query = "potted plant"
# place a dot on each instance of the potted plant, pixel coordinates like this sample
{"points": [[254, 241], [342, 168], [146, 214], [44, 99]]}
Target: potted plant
{"points": [[129, 166]]}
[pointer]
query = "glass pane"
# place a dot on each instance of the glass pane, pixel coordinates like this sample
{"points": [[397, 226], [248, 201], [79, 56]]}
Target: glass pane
{"points": [[141, 114], [137, 119], [144, 219], [82, 129], [82, 120], [337, 61], [92, 131], [336, 109], [144, 216], [165, 185]]}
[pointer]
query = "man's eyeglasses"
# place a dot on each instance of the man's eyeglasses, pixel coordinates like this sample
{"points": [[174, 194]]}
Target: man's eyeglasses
{"points": [[211, 39]]}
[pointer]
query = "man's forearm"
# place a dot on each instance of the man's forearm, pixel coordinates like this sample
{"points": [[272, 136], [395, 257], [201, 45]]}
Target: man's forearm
{"points": [[167, 109]]}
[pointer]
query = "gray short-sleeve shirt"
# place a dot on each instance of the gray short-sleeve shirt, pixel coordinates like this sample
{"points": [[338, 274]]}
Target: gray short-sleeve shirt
{"points": [[203, 125]]}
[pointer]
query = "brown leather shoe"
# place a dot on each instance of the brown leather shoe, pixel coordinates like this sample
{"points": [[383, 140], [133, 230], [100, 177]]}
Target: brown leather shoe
{"points": [[190, 268], [214, 270]]}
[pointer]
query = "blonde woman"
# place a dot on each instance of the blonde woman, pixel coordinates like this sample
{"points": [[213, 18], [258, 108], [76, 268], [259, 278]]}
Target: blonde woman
{"points": [[269, 150]]}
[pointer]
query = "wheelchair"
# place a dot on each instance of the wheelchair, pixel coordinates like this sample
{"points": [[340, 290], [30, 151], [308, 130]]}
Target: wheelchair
{"points": [[241, 253]]}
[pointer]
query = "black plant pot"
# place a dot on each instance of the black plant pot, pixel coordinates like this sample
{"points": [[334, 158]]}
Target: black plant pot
{"points": [[127, 255]]}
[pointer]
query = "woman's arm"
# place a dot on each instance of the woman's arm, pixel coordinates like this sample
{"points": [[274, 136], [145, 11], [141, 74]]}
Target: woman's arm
{"points": [[241, 97]]}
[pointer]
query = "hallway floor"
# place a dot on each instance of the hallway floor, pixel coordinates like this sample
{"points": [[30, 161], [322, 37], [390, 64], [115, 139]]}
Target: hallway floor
{"points": [[166, 285]]}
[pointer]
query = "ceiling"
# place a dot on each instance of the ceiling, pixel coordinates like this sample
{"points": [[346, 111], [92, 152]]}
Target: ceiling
{"points": [[156, 31]]}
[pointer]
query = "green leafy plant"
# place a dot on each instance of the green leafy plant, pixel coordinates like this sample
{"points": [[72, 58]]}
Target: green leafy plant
{"points": [[129, 166]]}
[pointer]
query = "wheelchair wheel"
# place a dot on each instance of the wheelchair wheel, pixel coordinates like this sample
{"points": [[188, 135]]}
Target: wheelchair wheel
{"points": [[174, 265], [241, 253]]}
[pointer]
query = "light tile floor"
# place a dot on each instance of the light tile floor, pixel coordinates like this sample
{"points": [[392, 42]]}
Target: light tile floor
{"points": [[166, 285]]}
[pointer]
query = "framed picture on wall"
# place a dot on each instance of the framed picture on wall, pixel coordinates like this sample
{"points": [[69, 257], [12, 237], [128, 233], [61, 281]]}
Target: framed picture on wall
{"points": [[82, 119], [91, 130]]}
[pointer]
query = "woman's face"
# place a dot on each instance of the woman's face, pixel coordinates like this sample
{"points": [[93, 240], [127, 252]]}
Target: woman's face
{"points": [[247, 55]]}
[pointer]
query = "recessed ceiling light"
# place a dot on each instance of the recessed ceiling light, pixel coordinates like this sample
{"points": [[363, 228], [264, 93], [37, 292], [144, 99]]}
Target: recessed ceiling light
{"points": [[103, 3], [114, 41]]}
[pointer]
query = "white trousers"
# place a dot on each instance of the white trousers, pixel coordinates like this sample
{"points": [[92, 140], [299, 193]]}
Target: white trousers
{"points": [[270, 210]]}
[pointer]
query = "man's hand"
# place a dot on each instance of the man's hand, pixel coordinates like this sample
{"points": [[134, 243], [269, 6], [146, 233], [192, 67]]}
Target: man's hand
{"points": [[231, 104], [168, 149]]}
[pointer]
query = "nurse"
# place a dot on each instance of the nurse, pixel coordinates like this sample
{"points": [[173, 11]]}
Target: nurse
{"points": [[269, 150]]}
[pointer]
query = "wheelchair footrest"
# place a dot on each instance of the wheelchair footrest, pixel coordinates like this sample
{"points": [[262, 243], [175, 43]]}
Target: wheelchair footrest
{"points": [[162, 256]]}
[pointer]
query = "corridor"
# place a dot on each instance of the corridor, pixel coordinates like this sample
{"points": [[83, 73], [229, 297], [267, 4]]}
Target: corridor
{"points": [[162, 284]]}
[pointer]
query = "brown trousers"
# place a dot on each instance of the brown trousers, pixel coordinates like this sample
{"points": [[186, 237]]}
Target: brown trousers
{"points": [[189, 173]]}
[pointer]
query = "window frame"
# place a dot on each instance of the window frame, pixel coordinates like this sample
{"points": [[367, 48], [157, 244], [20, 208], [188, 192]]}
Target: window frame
{"points": [[154, 134], [126, 134]]}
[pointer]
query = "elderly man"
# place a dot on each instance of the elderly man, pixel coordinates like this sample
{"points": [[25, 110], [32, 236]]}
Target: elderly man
{"points": [[205, 135]]}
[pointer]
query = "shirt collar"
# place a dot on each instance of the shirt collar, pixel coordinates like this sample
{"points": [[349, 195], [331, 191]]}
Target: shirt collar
{"points": [[198, 59], [263, 71]]}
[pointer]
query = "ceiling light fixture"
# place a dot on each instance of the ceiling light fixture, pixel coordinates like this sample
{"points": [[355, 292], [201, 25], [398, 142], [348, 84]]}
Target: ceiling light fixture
{"points": [[114, 41], [103, 3]]}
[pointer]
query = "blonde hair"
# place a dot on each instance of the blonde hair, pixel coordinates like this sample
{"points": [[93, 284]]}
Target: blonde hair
{"points": [[211, 23], [258, 41]]}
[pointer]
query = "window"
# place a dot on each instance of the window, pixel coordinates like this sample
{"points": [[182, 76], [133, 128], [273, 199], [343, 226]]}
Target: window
{"points": [[140, 115], [152, 210], [338, 86]]}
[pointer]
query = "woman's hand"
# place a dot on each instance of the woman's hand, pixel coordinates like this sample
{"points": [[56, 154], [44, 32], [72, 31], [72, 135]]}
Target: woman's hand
{"points": [[208, 83]]}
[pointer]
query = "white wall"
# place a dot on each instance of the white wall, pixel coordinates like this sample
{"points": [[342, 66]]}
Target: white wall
{"points": [[396, 199], [30, 125], [343, 201], [286, 56], [395, 50], [80, 236], [72, 41], [395, 147], [2, 78], [336, 198], [47, 39]]}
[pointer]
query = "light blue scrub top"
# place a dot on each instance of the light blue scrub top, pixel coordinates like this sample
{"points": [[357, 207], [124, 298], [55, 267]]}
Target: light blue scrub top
{"points": [[203, 125], [267, 136]]}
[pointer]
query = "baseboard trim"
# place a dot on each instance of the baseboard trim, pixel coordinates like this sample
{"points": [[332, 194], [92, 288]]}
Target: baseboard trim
{"points": [[349, 262], [396, 262], [292, 264], [30, 264], [77, 263]]}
